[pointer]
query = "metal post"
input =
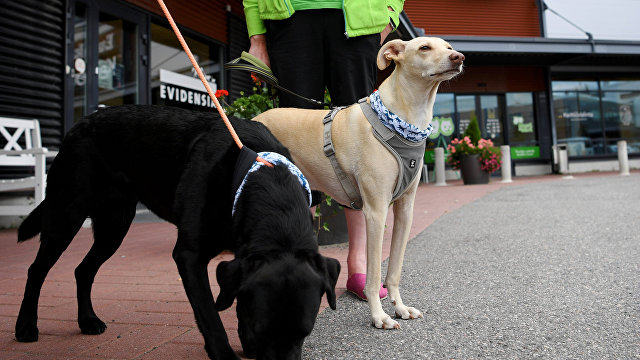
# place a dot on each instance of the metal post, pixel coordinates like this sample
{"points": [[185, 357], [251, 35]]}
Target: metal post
{"points": [[506, 163], [424, 175], [439, 167], [623, 158], [563, 159]]}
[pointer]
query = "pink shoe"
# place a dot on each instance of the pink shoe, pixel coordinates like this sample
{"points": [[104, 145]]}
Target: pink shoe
{"points": [[356, 283]]}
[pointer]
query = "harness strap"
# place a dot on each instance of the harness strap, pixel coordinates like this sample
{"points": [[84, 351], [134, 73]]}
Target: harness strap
{"points": [[386, 137], [329, 151]]}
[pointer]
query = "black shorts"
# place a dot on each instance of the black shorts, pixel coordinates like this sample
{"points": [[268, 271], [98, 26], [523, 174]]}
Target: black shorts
{"points": [[310, 51]]}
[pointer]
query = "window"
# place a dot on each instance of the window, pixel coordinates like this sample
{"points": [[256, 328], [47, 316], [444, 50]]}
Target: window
{"points": [[621, 114], [491, 122], [466, 110], [521, 119], [592, 116], [521, 126], [443, 120], [173, 80]]}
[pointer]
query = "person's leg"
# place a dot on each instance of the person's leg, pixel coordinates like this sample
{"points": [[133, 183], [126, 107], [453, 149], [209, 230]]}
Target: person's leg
{"points": [[351, 72], [296, 53], [356, 259]]}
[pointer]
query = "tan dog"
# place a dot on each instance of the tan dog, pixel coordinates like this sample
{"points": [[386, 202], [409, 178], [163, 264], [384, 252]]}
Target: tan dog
{"points": [[409, 92]]}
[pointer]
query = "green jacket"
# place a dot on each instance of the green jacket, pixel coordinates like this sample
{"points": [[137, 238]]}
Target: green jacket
{"points": [[362, 17]]}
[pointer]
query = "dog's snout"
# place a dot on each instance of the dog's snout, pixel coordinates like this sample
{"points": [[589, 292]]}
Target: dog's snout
{"points": [[456, 57]]}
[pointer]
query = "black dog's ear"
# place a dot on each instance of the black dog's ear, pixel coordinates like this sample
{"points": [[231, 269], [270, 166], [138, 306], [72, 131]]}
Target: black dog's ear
{"points": [[331, 269], [229, 276]]}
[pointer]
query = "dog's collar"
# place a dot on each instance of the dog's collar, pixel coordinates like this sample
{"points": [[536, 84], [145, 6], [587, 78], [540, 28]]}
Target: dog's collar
{"points": [[275, 159], [394, 123]]}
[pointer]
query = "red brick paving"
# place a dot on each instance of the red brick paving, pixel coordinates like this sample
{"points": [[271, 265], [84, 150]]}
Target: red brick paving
{"points": [[138, 292]]}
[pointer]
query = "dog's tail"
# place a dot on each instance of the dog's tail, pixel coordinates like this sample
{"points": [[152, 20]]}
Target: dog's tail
{"points": [[32, 225]]}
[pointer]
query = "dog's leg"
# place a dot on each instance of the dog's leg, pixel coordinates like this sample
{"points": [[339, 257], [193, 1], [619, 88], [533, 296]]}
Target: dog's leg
{"points": [[193, 271], [59, 225], [403, 216], [110, 221], [375, 213]]}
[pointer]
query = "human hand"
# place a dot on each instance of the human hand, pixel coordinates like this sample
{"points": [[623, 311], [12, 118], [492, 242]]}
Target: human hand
{"points": [[258, 48], [385, 33]]}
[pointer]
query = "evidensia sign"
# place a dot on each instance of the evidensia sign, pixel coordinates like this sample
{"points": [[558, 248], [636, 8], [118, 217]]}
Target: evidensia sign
{"points": [[176, 89]]}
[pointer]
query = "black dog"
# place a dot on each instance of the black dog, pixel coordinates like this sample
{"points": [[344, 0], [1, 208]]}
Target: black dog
{"points": [[180, 165]]}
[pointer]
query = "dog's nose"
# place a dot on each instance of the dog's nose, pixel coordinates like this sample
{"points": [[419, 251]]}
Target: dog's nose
{"points": [[456, 57]]}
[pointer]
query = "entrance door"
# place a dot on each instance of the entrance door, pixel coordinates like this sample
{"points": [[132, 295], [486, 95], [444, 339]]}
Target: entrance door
{"points": [[108, 60], [491, 119]]}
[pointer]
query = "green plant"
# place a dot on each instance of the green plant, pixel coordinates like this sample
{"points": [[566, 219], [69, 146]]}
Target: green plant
{"points": [[248, 107], [473, 130], [472, 143]]}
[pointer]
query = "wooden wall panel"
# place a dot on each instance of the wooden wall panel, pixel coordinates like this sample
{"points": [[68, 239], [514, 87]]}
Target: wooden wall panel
{"points": [[208, 17], [472, 17], [494, 79]]}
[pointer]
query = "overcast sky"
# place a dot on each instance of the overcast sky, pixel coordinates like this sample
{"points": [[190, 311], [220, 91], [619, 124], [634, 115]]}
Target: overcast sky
{"points": [[605, 19]]}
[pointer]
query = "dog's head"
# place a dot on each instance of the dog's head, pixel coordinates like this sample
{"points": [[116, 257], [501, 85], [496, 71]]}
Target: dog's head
{"points": [[426, 57], [278, 299]]}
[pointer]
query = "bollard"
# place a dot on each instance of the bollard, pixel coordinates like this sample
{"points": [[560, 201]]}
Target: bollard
{"points": [[623, 158], [563, 159], [439, 167], [424, 175], [506, 163]]}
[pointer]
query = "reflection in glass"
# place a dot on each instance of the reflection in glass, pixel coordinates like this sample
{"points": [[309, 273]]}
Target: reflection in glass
{"points": [[491, 122], [167, 54], [621, 115], [117, 61], [79, 64], [521, 119], [578, 122], [466, 109]]}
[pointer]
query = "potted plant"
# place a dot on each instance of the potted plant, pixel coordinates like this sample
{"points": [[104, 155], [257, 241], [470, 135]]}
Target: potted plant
{"points": [[475, 157]]}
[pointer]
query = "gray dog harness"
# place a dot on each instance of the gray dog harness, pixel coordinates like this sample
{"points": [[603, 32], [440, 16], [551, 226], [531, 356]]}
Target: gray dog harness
{"points": [[408, 154]]}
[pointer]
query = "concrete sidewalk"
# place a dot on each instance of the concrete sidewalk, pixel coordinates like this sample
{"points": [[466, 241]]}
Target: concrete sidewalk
{"points": [[547, 270], [138, 292]]}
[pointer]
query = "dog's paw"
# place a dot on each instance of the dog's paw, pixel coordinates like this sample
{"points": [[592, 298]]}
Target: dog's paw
{"points": [[92, 326], [407, 313], [385, 322], [26, 331]]}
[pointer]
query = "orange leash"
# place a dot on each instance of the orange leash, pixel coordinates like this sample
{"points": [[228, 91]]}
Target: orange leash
{"points": [[232, 131]]}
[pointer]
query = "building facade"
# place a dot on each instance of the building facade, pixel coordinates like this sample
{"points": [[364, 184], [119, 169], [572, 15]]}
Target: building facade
{"points": [[533, 92], [63, 59]]}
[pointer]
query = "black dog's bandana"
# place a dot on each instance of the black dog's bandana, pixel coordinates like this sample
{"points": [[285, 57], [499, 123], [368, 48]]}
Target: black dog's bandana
{"points": [[247, 163]]}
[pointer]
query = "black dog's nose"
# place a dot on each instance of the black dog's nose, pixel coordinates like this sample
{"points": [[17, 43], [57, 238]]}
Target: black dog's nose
{"points": [[456, 57]]}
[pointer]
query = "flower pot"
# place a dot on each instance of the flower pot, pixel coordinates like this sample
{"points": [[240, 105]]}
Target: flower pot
{"points": [[470, 170]]}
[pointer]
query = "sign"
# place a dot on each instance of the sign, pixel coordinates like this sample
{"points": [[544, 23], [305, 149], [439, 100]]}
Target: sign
{"points": [[525, 152], [441, 125], [176, 89], [578, 115]]}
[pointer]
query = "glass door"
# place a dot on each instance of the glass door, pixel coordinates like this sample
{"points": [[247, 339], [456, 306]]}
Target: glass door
{"points": [[117, 61], [491, 118], [108, 62]]}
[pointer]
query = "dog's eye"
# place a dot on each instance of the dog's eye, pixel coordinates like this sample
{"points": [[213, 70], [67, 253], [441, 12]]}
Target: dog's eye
{"points": [[450, 48], [425, 47]]}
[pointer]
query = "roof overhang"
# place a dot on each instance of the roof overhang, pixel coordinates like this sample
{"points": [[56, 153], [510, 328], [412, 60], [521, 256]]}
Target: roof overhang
{"points": [[559, 54], [542, 45]]}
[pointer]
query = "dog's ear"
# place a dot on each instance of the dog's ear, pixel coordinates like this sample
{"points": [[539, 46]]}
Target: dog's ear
{"points": [[390, 51], [229, 276], [331, 269]]}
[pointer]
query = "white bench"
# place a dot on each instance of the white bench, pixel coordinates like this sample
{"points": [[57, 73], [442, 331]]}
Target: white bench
{"points": [[32, 155]]}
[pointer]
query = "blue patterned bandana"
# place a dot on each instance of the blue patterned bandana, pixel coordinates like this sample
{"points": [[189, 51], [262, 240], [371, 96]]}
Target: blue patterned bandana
{"points": [[394, 123], [275, 159]]}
